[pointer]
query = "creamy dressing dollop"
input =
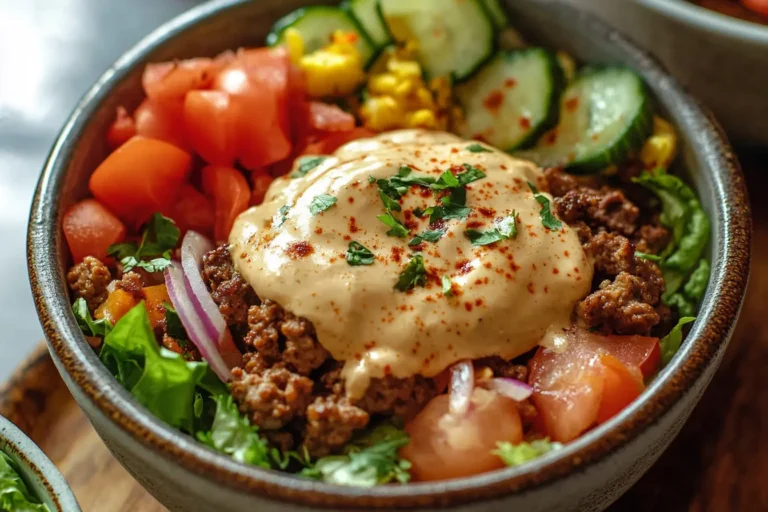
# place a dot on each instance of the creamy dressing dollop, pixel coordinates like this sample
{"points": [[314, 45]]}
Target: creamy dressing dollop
{"points": [[505, 296]]}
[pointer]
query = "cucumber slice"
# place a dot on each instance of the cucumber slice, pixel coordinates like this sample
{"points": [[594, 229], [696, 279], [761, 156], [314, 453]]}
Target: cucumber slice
{"points": [[317, 24], [455, 36], [605, 115], [512, 99], [367, 14], [497, 13]]}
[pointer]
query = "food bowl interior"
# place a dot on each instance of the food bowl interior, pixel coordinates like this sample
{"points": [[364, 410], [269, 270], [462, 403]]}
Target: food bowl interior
{"points": [[221, 25]]}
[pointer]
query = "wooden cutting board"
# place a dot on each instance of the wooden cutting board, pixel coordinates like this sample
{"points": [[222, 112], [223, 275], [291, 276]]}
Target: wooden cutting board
{"points": [[719, 462]]}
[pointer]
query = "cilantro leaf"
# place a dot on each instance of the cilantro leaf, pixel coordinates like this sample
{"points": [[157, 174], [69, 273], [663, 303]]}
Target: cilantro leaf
{"points": [[547, 218], [306, 164], [233, 435], [446, 180], [405, 178], [369, 460], [14, 493], [533, 188], [471, 174], [451, 207], [504, 229], [321, 203], [414, 274], [389, 202], [447, 286], [477, 148], [397, 229], [89, 326], [358, 254], [281, 216], [516, 454], [159, 238], [670, 343], [427, 236]]}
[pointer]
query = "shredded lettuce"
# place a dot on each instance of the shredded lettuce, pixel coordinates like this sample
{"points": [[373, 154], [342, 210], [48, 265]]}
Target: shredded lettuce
{"points": [[516, 454], [89, 326], [14, 494], [369, 460], [670, 343]]}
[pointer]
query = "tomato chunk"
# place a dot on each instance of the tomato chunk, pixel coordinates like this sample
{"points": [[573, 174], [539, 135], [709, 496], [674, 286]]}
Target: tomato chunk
{"points": [[331, 142], [90, 229], [121, 129], [162, 121], [261, 183], [445, 446], [210, 121], [620, 387], [329, 118], [758, 6], [192, 210], [230, 193], [139, 178], [164, 80]]}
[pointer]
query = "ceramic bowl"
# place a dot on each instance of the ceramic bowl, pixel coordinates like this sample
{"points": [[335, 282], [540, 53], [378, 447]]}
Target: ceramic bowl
{"points": [[722, 60], [587, 474], [37, 471]]}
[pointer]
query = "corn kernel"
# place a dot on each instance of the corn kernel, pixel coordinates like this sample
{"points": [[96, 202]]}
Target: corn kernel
{"points": [[422, 118], [295, 44], [404, 89], [331, 74], [382, 84], [424, 98], [381, 113], [404, 69], [660, 148]]}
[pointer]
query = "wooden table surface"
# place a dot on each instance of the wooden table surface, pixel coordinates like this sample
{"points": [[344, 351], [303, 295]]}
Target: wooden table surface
{"points": [[719, 462]]}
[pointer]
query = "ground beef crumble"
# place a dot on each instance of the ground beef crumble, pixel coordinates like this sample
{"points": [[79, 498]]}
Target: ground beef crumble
{"points": [[89, 280]]}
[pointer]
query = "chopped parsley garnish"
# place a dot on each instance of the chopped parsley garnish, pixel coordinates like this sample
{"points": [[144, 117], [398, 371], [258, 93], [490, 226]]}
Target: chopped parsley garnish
{"points": [[392, 189], [449, 209], [448, 180], [428, 235], [478, 148], [173, 324], [404, 177], [414, 274], [547, 218], [389, 202], [646, 256], [306, 164], [321, 203], [397, 229], [358, 254], [282, 216], [447, 286], [504, 229], [153, 252]]}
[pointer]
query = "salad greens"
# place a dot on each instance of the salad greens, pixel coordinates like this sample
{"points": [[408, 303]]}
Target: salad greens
{"points": [[91, 327], [670, 343], [153, 253], [14, 494], [516, 454]]}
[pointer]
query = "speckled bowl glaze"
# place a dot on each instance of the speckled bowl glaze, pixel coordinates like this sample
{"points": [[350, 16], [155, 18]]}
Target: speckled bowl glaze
{"points": [[720, 59], [586, 475], [39, 473]]}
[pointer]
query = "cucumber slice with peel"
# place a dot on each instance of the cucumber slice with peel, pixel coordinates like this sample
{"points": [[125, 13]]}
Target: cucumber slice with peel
{"points": [[366, 12], [606, 115], [497, 13], [512, 99]]}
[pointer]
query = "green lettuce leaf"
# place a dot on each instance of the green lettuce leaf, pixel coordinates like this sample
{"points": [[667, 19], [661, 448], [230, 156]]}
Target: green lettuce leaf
{"points": [[89, 326], [670, 343], [516, 454], [369, 460], [14, 494], [160, 380]]}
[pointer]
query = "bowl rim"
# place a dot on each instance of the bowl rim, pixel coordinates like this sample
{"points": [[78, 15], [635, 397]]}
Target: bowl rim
{"points": [[82, 368], [707, 19], [34, 460]]}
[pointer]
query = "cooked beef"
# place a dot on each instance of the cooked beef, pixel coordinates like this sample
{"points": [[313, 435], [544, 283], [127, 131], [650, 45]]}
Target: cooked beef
{"points": [[187, 350], [132, 283], [652, 238], [394, 396], [280, 336], [612, 253], [272, 397], [229, 290], [503, 368], [89, 280], [331, 421]]}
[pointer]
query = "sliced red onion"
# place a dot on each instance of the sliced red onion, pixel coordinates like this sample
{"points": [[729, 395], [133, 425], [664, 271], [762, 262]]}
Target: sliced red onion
{"points": [[461, 387], [183, 303], [511, 388], [193, 247]]}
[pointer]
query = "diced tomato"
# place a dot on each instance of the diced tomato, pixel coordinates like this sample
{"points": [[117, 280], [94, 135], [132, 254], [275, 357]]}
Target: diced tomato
{"points": [[444, 446], [118, 303], [298, 107], [758, 6], [155, 299], [121, 129], [261, 182], [140, 177], [330, 143], [192, 210], [620, 387], [588, 379], [324, 117], [162, 121], [257, 83], [172, 80], [90, 229], [210, 120], [230, 193]]}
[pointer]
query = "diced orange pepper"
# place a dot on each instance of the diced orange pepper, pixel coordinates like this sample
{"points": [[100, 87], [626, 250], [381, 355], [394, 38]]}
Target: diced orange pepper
{"points": [[156, 296], [118, 303]]}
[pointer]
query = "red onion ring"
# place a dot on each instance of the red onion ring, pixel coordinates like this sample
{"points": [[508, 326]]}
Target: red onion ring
{"points": [[461, 387], [511, 388], [184, 305], [193, 248]]}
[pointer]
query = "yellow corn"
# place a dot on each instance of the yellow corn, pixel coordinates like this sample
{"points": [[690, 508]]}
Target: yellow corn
{"points": [[404, 68], [382, 113], [423, 118], [335, 70], [385, 83], [660, 148], [295, 44]]}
